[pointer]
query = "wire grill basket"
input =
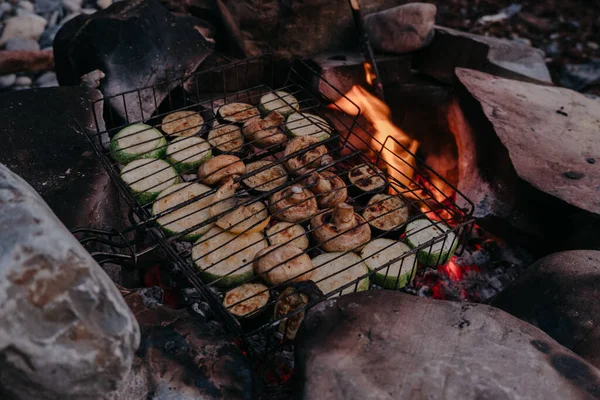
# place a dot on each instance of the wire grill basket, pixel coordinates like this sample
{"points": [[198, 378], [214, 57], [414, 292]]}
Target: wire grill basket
{"points": [[211, 223]]}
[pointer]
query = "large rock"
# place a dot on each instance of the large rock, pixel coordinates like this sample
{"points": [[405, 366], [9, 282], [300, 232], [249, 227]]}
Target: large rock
{"points": [[42, 144], [451, 49], [65, 330], [389, 345], [29, 26], [401, 29], [550, 134], [136, 44], [182, 358], [559, 295]]}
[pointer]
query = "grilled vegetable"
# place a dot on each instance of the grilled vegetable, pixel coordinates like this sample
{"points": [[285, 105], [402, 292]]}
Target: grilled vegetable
{"points": [[266, 180], [329, 188], [367, 178], [396, 275], [293, 204], [182, 123], [335, 270], [421, 231], [289, 301], [237, 112], [247, 300], [264, 132], [302, 158], [219, 168], [288, 233], [176, 220], [137, 141], [280, 101], [234, 214], [186, 154], [305, 124], [385, 212], [283, 264], [226, 258], [226, 138], [148, 177], [340, 229]]}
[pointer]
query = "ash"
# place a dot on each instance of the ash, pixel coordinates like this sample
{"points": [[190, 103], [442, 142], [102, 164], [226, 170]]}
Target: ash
{"points": [[486, 267]]}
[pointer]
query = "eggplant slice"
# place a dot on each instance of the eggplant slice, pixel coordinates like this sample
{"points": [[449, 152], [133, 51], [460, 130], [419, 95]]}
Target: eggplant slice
{"points": [[386, 212], [247, 300], [267, 180], [226, 138], [237, 112], [182, 123], [367, 178]]}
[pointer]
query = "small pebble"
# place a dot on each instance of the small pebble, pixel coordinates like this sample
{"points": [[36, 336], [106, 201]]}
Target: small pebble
{"points": [[72, 5], [22, 44], [23, 81], [6, 7], [7, 80], [102, 4], [88, 11], [25, 5], [47, 79]]}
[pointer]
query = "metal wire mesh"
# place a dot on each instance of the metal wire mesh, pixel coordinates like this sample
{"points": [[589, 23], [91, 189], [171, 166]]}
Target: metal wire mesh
{"points": [[196, 230]]}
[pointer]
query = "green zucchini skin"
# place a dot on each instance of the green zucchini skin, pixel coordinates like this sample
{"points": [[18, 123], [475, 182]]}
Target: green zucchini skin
{"points": [[305, 124], [183, 162], [268, 103], [381, 251], [421, 231], [122, 156]]}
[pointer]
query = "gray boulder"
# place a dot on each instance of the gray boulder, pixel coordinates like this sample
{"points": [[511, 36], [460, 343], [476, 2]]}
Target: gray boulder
{"points": [[401, 29], [65, 330], [559, 295], [389, 345]]}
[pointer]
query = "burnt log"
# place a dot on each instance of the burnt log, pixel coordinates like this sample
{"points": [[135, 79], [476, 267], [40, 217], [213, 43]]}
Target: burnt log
{"points": [[136, 44], [25, 61], [65, 331], [388, 345], [451, 49], [558, 294]]}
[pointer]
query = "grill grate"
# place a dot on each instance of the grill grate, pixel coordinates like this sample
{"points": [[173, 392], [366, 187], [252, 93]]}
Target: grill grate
{"points": [[247, 82]]}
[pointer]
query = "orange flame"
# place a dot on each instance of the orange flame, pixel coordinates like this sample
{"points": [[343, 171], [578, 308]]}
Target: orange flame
{"points": [[369, 74]]}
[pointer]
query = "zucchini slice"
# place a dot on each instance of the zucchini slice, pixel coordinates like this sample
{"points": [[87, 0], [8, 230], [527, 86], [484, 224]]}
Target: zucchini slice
{"points": [[288, 233], [367, 178], [237, 112], [247, 300], [148, 177], [280, 101], [385, 212], [305, 124], [421, 231], [182, 123], [226, 138], [186, 154], [225, 257], [195, 214], [137, 141], [334, 270], [267, 180], [398, 274]]}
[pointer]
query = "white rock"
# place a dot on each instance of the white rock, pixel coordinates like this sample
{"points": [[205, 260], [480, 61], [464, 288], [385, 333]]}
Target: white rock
{"points": [[72, 5], [22, 44], [6, 7], [102, 4], [26, 5], [7, 80], [88, 11], [25, 26], [23, 81]]}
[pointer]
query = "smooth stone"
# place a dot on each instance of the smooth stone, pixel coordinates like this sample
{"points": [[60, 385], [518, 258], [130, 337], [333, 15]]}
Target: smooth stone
{"points": [[6, 7], [23, 81], [7, 80], [23, 26], [22, 44], [72, 5], [47, 79], [401, 29], [88, 11], [26, 5], [102, 4]]}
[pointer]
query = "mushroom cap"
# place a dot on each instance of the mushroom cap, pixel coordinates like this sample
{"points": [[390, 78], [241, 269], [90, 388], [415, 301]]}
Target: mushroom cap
{"points": [[283, 264], [264, 132], [329, 188], [293, 204], [301, 160], [220, 167], [340, 229]]}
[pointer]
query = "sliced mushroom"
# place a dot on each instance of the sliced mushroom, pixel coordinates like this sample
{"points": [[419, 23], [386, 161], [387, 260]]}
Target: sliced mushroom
{"points": [[293, 204], [235, 214], [341, 229], [264, 132], [329, 188], [219, 168], [301, 159], [283, 264]]}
